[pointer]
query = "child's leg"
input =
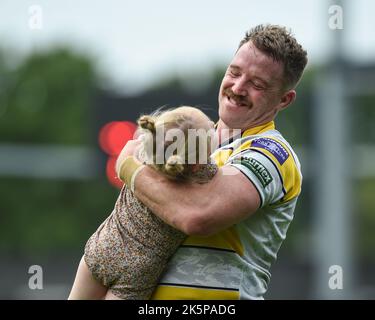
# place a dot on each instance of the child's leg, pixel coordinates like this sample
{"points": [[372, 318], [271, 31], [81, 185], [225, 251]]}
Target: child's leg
{"points": [[111, 296], [85, 287]]}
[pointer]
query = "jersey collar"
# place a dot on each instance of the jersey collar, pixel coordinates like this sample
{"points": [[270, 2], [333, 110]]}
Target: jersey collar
{"points": [[259, 129], [252, 131]]}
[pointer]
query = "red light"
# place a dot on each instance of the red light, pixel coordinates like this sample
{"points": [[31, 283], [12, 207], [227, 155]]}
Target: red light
{"points": [[112, 138], [111, 173], [114, 135]]}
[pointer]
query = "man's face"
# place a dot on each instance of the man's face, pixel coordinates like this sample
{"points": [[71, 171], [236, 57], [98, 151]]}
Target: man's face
{"points": [[251, 90]]}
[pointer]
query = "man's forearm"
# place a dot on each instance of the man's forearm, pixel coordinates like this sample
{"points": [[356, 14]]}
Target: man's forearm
{"points": [[173, 202], [195, 209], [199, 209]]}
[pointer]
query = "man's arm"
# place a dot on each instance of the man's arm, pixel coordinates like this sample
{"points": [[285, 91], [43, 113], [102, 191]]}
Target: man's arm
{"points": [[199, 209]]}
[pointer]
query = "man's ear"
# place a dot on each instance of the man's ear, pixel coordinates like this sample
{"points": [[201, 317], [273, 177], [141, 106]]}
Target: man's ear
{"points": [[287, 99]]}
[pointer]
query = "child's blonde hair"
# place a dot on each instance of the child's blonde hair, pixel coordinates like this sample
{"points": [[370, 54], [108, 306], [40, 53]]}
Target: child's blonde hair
{"points": [[176, 165]]}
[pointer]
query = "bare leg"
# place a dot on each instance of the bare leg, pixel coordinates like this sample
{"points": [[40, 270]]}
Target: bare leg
{"points": [[85, 287], [111, 296]]}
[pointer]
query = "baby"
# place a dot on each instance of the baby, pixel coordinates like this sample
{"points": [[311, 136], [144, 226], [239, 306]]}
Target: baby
{"points": [[126, 255]]}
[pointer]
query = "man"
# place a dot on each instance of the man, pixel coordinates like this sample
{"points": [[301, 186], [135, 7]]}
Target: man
{"points": [[236, 222]]}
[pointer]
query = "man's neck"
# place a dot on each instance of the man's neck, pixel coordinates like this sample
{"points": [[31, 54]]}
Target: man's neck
{"points": [[225, 133]]}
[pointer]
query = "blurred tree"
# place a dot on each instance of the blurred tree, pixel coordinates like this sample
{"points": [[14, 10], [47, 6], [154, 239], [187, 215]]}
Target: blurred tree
{"points": [[363, 116], [46, 98], [47, 216]]}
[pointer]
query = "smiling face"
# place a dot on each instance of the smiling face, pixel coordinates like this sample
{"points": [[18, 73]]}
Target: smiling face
{"points": [[251, 92]]}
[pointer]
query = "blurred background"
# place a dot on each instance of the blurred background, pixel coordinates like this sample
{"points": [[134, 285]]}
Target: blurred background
{"points": [[75, 75]]}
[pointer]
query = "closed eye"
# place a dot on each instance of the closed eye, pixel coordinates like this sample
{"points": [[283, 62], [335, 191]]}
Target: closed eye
{"points": [[234, 73], [257, 86]]}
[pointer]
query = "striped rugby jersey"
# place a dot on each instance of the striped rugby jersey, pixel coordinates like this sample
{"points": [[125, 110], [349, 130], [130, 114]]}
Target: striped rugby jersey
{"points": [[235, 263]]}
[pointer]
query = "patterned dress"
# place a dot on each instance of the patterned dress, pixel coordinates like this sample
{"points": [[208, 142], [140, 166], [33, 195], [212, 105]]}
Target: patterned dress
{"points": [[130, 249]]}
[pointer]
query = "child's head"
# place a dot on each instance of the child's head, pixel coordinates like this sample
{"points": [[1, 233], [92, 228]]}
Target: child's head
{"points": [[176, 142]]}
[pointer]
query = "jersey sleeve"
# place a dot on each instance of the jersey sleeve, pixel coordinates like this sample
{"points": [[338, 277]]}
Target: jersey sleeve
{"points": [[262, 172]]}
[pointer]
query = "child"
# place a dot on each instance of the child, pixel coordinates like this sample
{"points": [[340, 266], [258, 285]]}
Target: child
{"points": [[125, 257]]}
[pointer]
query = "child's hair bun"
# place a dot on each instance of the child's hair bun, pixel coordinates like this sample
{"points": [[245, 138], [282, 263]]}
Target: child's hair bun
{"points": [[147, 122], [174, 166]]}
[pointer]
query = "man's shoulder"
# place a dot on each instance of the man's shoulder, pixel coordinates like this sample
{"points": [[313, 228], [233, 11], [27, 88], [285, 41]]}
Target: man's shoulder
{"points": [[269, 158], [271, 141]]}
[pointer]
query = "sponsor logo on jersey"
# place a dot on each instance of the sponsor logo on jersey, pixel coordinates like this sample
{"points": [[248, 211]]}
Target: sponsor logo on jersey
{"points": [[280, 153], [257, 168]]}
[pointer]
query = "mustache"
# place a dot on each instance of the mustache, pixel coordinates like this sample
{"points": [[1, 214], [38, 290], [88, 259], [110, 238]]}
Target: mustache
{"points": [[239, 99]]}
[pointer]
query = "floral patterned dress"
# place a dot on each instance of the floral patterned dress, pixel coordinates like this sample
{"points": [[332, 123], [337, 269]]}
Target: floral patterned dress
{"points": [[130, 249]]}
